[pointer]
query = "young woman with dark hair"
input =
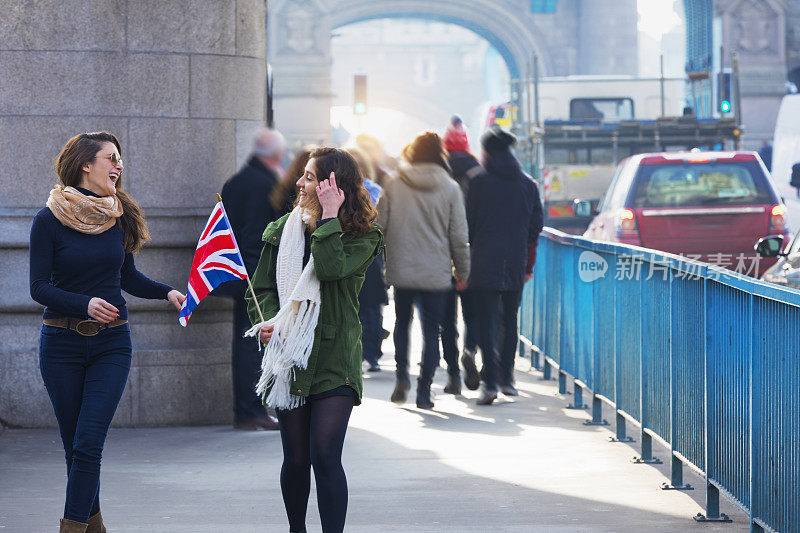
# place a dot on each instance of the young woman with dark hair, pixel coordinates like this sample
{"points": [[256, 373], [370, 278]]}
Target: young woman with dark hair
{"points": [[307, 284], [81, 258]]}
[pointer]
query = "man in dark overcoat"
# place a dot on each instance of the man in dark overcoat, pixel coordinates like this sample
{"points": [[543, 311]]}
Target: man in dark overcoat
{"points": [[246, 199]]}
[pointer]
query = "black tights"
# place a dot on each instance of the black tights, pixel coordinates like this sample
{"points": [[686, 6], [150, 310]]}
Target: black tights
{"points": [[313, 435]]}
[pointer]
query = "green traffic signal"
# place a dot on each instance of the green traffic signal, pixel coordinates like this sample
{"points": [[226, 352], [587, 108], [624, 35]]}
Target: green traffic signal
{"points": [[360, 108], [725, 106]]}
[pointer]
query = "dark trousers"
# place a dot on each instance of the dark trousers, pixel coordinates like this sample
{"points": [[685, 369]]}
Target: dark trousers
{"points": [[85, 378], [497, 310], [371, 317], [450, 328], [431, 305], [245, 367]]}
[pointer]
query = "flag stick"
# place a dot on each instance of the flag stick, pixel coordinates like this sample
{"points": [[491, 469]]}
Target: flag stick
{"points": [[247, 276]]}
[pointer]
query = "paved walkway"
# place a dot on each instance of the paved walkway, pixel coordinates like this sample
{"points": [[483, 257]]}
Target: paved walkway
{"points": [[520, 465]]}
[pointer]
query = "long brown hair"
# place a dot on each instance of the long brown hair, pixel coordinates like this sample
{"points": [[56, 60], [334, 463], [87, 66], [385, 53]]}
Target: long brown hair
{"points": [[357, 215], [427, 148], [284, 192], [82, 149]]}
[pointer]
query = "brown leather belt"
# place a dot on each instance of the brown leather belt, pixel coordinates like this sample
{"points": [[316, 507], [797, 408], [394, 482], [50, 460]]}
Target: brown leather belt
{"points": [[87, 328]]}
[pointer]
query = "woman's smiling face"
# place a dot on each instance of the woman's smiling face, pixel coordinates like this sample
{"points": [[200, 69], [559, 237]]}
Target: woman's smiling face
{"points": [[100, 175], [307, 184]]}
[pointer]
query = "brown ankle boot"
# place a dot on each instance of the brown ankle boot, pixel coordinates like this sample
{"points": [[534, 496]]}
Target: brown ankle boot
{"points": [[70, 526], [96, 524]]}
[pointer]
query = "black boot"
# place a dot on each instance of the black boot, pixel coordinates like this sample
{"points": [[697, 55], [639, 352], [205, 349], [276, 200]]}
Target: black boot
{"points": [[472, 378], [424, 396], [453, 384], [487, 396], [400, 392]]}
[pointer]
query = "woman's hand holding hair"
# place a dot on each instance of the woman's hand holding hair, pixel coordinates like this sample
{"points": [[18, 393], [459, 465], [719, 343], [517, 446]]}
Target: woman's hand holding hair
{"points": [[176, 298], [330, 197], [102, 311]]}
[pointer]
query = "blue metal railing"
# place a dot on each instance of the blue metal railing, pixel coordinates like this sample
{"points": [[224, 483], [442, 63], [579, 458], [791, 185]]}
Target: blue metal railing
{"points": [[704, 360]]}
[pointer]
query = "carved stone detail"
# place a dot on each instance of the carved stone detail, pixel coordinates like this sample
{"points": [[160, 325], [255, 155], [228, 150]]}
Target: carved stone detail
{"points": [[300, 25], [756, 27]]}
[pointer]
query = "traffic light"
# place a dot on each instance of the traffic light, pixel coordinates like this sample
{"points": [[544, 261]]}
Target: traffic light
{"points": [[360, 94], [724, 92]]}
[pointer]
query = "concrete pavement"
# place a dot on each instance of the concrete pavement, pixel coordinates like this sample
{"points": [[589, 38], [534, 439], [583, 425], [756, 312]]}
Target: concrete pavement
{"points": [[523, 464]]}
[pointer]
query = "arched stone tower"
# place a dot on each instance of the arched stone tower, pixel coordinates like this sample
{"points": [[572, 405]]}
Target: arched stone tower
{"points": [[582, 37]]}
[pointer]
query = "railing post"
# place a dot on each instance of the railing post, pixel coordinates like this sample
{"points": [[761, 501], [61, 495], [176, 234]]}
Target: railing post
{"points": [[646, 456], [621, 435], [647, 451], [562, 382], [676, 465], [535, 359], [676, 477], [712, 492], [712, 507], [597, 413], [620, 422], [577, 394]]}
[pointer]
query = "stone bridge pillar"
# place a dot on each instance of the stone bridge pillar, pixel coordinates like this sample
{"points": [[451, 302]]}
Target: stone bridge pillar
{"points": [[182, 84], [756, 30], [300, 55]]}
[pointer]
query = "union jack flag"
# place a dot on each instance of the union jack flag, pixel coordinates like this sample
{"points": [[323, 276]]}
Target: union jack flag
{"points": [[216, 260]]}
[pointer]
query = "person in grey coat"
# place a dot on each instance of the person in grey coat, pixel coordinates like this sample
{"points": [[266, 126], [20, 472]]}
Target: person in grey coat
{"points": [[425, 227]]}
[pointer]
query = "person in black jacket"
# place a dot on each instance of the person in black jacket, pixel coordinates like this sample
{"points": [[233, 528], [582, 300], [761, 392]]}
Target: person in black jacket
{"points": [[464, 168], [504, 215], [246, 197]]}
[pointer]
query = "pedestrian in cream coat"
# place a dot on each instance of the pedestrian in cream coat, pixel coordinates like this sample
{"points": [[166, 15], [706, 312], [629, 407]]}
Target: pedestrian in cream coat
{"points": [[425, 227]]}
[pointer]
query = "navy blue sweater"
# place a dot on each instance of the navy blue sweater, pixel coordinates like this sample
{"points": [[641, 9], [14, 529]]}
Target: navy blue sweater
{"points": [[68, 268]]}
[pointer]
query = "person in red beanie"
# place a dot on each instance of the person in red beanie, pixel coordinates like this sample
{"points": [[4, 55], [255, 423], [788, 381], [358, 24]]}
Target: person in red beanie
{"points": [[464, 168]]}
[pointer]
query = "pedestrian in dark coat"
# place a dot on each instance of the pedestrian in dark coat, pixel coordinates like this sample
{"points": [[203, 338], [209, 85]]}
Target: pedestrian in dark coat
{"points": [[246, 197], [374, 294], [504, 216], [464, 168]]}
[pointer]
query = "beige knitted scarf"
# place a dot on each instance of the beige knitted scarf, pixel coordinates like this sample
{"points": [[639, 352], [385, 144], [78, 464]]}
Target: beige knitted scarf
{"points": [[87, 214]]}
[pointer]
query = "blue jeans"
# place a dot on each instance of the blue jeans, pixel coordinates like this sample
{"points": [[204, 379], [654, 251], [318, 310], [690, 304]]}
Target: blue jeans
{"points": [[84, 377], [431, 304]]}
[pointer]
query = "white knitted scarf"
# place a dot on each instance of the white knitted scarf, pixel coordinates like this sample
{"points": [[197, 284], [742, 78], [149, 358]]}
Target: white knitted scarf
{"points": [[293, 338]]}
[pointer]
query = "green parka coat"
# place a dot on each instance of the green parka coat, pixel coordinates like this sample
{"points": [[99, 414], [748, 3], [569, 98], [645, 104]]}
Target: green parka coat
{"points": [[340, 261]]}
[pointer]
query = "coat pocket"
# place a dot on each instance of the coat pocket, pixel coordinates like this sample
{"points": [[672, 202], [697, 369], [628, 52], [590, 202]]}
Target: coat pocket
{"points": [[327, 332], [327, 337]]}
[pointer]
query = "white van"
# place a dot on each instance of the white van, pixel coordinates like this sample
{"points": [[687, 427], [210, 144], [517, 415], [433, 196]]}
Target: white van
{"points": [[786, 145]]}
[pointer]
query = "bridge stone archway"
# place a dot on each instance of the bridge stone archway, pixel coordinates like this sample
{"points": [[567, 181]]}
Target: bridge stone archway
{"points": [[582, 37]]}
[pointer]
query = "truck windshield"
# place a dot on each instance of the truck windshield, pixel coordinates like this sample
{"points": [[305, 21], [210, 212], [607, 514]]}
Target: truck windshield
{"points": [[700, 185], [601, 109]]}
